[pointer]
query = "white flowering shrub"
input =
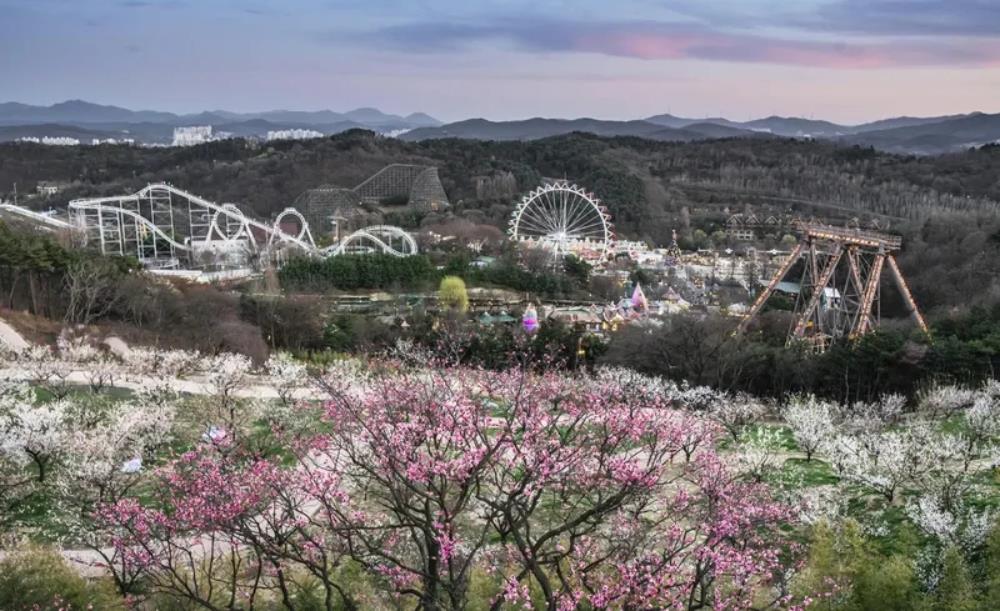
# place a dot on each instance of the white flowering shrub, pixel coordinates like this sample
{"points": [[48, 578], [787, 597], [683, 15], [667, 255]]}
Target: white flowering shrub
{"points": [[163, 363], [46, 369], [957, 525], [634, 383], [227, 372], [821, 504], [76, 349], [697, 398], [982, 418], [410, 353]]}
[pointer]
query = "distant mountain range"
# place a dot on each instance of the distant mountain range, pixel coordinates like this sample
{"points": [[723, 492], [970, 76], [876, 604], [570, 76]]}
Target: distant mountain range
{"points": [[530, 129], [910, 135], [85, 120], [80, 119]]}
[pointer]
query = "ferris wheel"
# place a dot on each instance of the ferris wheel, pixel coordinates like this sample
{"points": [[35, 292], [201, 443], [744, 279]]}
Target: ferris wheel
{"points": [[564, 218]]}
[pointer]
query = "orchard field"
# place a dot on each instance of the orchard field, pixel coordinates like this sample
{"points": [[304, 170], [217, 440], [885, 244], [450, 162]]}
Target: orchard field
{"points": [[173, 480]]}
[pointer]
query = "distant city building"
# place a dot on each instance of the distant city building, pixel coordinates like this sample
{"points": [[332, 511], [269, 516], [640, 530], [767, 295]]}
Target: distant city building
{"points": [[192, 135], [395, 133], [48, 188], [51, 140], [128, 141], [293, 134]]}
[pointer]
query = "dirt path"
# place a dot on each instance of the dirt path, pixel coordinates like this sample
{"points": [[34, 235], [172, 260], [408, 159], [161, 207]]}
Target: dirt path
{"points": [[10, 338]]}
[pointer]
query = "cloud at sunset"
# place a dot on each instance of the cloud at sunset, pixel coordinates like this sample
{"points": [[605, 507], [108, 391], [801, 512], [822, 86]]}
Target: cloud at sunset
{"points": [[644, 40], [845, 59]]}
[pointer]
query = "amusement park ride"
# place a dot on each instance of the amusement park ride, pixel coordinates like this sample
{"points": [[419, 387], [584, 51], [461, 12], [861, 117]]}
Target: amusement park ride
{"points": [[840, 289], [160, 225], [563, 218], [840, 269]]}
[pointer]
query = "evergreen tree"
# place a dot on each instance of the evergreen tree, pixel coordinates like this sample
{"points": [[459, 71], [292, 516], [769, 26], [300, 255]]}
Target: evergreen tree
{"points": [[991, 571], [954, 591], [885, 585]]}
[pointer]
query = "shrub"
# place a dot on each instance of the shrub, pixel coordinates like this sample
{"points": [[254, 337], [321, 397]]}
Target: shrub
{"points": [[349, 272], [41, 580]]}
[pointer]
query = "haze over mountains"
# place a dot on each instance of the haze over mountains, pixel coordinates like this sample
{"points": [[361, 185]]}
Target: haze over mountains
{"points": [[85, 121], [911, 135]]}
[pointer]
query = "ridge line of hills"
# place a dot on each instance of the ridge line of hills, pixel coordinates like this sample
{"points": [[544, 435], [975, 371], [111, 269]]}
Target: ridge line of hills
{"points": [[85, 120]]}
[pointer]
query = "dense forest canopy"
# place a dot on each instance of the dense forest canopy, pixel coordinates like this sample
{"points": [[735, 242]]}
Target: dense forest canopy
{"points": [[946, 206]]}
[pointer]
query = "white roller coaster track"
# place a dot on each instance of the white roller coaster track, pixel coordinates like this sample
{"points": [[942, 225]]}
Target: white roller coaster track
{"points": [[232, 212], [376, 234], [146, 223], [229, 225], [38, 218]]}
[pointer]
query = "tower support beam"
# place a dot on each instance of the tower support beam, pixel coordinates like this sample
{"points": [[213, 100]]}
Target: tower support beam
{"points": [[864, 323], [818, 289], [911, 305], [758, 303]]}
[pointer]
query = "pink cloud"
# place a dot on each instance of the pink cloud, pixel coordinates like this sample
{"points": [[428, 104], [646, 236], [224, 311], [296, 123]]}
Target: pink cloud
{"points": [[645, 42], [660, 40]]}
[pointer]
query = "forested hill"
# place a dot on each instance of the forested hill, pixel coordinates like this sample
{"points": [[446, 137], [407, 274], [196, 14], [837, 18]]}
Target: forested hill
{"points": [[635, 176], [650, 187]]}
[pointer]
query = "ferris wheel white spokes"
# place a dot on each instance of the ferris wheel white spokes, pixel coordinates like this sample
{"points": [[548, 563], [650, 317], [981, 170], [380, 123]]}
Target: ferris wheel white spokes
{"points": [[563, 218]]}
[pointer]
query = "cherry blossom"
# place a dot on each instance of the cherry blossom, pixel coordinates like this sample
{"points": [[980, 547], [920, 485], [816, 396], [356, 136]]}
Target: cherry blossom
{"points": [[419, 476]]}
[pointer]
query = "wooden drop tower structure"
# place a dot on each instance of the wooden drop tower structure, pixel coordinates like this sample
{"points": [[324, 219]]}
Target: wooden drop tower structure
{"points": [[839, 291]]}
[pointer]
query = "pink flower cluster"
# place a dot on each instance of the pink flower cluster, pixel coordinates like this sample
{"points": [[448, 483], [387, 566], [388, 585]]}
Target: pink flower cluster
{"points": [[419, 476]]}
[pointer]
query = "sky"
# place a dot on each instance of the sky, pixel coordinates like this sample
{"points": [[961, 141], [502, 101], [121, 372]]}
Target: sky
{"points": [[842, 60]]}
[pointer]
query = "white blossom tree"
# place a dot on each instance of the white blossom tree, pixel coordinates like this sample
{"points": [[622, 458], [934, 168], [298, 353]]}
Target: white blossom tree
{"points": [[46, 369], [33, 432], [951, 525], [229, 414], [759, 453], [99, 368], [639, 385], [15, 480], [982, 418], [287, 376], [811, 421], [163, 363], [883, 461], [736, 413], [939, 401], [103, 459]]}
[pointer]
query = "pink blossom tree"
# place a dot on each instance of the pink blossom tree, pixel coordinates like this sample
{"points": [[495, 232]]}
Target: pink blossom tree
{"points": [[570, 487]]}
